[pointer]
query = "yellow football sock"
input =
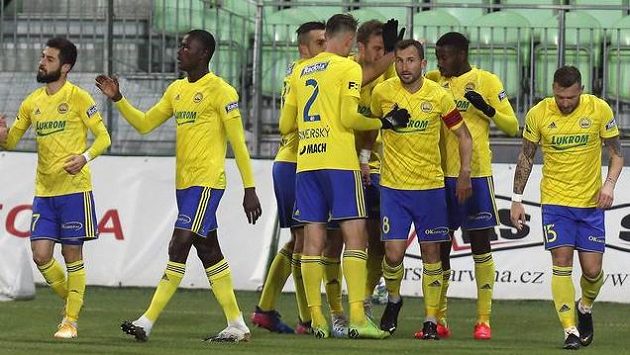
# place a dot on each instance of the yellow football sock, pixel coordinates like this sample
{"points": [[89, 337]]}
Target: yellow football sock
{"points": [[166, 288], [432, 288], [355, 273], [220, 278], [312, 274], [332, 277], [277, 275], [563, 293], [484, 277], [374, 273], [76, 290], [393, 276], [55, 277], [590, 288], [300, 294], [446, 278]]}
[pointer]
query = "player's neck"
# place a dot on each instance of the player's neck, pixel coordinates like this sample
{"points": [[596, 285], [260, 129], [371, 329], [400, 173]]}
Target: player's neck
{"points": [[196, 74], [55, 86], [415, 86], [465, 68]]}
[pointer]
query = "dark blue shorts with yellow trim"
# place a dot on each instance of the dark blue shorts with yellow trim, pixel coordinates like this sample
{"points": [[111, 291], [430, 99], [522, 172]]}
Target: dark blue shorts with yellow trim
{"points": [[580, 228], [373, 196], [426, 209], [478, 212], [329, 194], [283, 174], [66, 219], [197, 207]]}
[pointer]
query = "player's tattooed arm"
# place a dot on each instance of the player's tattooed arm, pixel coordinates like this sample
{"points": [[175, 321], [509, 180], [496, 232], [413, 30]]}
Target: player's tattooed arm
{"points": [[524, 165], [615, 164]]}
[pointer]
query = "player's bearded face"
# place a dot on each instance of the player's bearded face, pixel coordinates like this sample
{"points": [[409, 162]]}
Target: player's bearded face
{"points": [[374, 49], [409, 65], [49, 69], [567, 99], [316, 43]]}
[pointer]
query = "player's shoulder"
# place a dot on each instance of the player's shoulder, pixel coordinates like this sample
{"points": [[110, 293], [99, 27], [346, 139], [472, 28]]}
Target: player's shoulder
{"points": [[34, 95], [542, 108], [387, 86], [79, 94], [594, 102], [487, 78], [433, 75]]}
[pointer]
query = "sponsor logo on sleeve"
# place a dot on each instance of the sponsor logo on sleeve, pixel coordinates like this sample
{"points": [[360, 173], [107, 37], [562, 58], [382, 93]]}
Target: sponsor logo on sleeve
{"points": [[91, 111], [353, 86], [231, 107], [611, 124], [502, 95]]}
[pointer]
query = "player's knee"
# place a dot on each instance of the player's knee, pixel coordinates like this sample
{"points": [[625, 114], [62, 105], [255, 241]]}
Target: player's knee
{"points": [[178, 250], [393, 257], [41, 258], [591, 271]]}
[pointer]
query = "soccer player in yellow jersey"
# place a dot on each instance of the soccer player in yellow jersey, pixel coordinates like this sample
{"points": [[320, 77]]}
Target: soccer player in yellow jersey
{"points": [[322, 104], [311, 41], [372, 56], [206, 112], [412, 181], [571, 127], [480, 98], [63, 208]]}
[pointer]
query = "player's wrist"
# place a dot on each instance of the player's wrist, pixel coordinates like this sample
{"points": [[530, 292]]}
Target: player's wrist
{"points": [[364, 156], [518, 198], [87, 156], [610, 181]]}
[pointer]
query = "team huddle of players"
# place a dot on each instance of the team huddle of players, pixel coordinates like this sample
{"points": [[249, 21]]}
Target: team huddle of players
{"points": [[371, 145], [371, 150]]}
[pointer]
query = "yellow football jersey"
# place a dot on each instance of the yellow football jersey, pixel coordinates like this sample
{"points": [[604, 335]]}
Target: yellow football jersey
{"points": [[572, 149], [206, 115], [365, 109], [289, 142], [411, 155], [61, 122], [316, 89], [490, 88]]}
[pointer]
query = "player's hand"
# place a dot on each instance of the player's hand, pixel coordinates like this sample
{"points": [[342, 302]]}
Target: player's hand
{"points": [[606, 195], [463, 187], [396, 118], [4, 130], [365, 174], [517, 215], [477, 100], [251, 204], [74, 164], [391, 35], [109, 86]]}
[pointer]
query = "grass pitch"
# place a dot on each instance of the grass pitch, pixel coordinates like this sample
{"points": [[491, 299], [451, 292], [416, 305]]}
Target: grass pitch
{"points": [[519, 327]]}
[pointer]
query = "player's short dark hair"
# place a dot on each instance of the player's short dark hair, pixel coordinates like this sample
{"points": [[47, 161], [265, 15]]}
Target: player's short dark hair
{"points": [[307, 27], [455, 40], [67, 50], [567, 75], [406, 43], [369, 29], [206, 39], [341, 23]]}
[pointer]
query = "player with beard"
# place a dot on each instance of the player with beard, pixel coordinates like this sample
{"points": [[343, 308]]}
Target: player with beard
{"points": [[63, 208]]}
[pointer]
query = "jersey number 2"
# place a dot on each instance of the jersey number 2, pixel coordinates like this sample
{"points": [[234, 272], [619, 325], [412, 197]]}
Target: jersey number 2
{"points": [[311, 117]]}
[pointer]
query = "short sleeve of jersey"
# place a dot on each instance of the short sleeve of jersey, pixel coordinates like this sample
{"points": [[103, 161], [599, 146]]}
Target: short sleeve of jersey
{"points": [[351, 83], [228, 103], [449, 109], [608, 126], [290, 96], [88, 109], [494, 91], [377, 98], [23, 118], [531, 131], [165, 105]]}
